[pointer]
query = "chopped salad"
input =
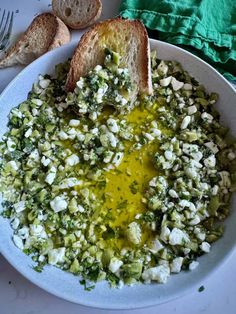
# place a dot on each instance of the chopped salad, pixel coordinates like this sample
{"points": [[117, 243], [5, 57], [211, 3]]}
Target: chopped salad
{"points": [[111, 189]]}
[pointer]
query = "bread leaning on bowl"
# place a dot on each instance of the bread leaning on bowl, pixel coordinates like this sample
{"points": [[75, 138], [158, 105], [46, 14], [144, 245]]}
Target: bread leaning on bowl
{"points": [[128, 38], [77, 14], [45, 33]]}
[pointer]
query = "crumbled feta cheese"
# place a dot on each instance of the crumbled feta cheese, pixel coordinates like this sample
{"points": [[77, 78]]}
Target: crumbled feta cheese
{"points": [[58, 204], [56, 256], [18, 242], [112, 140], [204, 186], [178, 237], [193, 265], [215, 190], [35, 112], [61, 106], [13, 165], [159, 273], [191, 173], [28, 133], [197, 156], [173, 193], [162, 67], [108, 156], [165, 233], [23, 233], [45, 161], [72, 160], [37, 102], [176, 265], [80, 208], [107, 139], [51, 175], [207, 117], [166, 81], [158, 181], [62, 135], [118, 158], [195, 220], [134, 232], [185, 203], [148, 136], [155, 132], [186, 251], [156, 246], [120, 99], [193, 151], [72, 133], [37, 89], [112, 125], [19, 207], [115, 264], [41, 258], [212, 146], [36, 230], [205, 246], [86, 156], [80, 83], [188, 149], [199, 234], [185, 122], [98, 68], [195, 164], [176, 84], [69, 183], [11, 145], [210, 161], [94, 131], [181, 105], [137, 146], [93, 116], [44, 83], [34, 155], [80, 136], [100, 93], [192, 109], [17, 113]]}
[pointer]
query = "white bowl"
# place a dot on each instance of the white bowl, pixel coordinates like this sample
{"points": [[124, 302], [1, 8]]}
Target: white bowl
{"points": [[66, 285]]}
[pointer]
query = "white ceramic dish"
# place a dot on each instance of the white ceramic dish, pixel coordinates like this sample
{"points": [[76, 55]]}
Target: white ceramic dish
{"points": [[67, 286]]}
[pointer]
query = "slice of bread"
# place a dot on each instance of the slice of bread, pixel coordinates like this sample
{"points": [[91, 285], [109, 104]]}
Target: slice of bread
{"points": [[128, 38], [77, 14], [46, 32]]}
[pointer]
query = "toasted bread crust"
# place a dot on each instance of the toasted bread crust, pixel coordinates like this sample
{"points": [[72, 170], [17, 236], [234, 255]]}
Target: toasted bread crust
{"points": [[90, 51], [83, 18], [20, 53]]}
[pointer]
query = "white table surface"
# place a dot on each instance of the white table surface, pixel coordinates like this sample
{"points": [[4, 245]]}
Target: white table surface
{"points": [[19, 296]]}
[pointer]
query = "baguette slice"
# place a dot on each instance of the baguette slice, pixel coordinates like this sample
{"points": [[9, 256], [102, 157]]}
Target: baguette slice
{"points": [[46, 32], [127, 37], [77, 13]]}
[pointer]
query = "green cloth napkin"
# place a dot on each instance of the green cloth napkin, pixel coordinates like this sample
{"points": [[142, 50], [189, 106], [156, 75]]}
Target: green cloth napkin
{"points": [[205, 27]]}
